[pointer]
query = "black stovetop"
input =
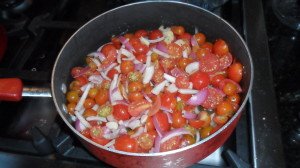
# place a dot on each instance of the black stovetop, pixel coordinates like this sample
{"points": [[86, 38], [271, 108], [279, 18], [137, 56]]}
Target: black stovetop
{"points": [[31, 133]]}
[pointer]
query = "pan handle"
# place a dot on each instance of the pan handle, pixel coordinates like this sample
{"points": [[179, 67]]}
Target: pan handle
{"points": [[11, 89]]}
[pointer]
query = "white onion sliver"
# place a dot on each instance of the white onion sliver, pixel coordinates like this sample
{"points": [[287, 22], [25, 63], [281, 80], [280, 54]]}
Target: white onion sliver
{"points": [[111, 66], [170, 119], [111, 143], [144, 118], [173, 133], [104, 76], [138, 132], [158, 88], [96, 118], [169, 78], [110, 118], [148, 58], [157, 144], [187, 91], [148, 74], [163, 54], [82, 120], [172, 88], [126, 52], [156, 40], [192, 67], [112, 125], [147, 97], [191, 85], [157, 126], [83, 97], [95, 107], [134, 124], [144, 41], [184, 54], [119, 56], [197, 136]]}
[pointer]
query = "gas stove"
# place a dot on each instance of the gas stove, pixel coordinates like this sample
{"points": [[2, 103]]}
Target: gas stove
{"points": [[31, 132]]}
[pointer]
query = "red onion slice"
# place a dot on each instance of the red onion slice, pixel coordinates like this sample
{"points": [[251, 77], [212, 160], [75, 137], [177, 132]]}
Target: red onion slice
{"points": [[124, 102], [173, 133], [163, 54], [148, 74], [194, 41], [198, 98], [157, 126], [140, 67], [82, 71], [82, 120], [189, 115], [126, 43], [79, 126], [193, 55], [162, 47], [170, 118], [157, 144]]}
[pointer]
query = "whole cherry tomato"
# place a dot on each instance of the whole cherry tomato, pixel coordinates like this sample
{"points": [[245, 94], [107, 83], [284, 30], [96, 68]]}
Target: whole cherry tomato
{"points": [[199, 80], [127, 144], [235, 72], [96, 133], [220, 47], [120, 112]]}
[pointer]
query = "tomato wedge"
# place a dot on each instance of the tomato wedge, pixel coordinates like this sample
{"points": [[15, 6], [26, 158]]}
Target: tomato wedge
{"points": [[137, 107], [156, 106], [96, 132], [209, 63]]}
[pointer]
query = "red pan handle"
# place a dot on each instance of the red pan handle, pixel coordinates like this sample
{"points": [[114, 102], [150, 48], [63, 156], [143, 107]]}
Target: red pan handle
{"points": [[11, 89]]}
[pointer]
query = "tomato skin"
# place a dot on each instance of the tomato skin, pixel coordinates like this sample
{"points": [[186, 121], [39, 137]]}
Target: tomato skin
{"points": [[120, 112], [182, 82], [141, 33], [201, 52], [135, 87], [215, 80], [110, 52], [116, 42], [199, 80], [136, 107], [171, 144], [149, 124], [186, 36], [88, 103], [177, 30], [208, 46], [82, 80], [72, 96], [168, 100], [141, 57], [220, 47], [220, 119], [111, 73], [196, 123], [135, 96], [126, 67], [224, 108], [206, 131], [101, 97], [96, 133], [200, 38], [184, 97], [174, 50], [162, 119], [89, 112], [140, 48], [235, 72], [127, 144], [178, 120], [155, 34], [229, 89], [183, 62]]}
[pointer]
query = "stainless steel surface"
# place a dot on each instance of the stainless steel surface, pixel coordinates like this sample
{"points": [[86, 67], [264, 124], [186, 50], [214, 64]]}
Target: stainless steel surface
{"points": [[36, 92]]}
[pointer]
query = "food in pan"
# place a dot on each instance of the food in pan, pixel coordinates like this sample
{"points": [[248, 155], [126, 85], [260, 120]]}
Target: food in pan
{"points": [[155, 90]]}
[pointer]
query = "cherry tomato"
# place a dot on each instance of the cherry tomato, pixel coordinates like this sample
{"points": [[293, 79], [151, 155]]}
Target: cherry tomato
{"points": [[235, 72], [141, 57], [200, 38], [174, 50], [135, 96], [86, 133], [155, 34], [185, 35], [96, 133], [220, 119], [158, 76], [183, 62], [116, 42], [235, 98], [167, 63], [220, 47], [229, 88], [156, 106], [178, 120], [120, 112], [111, 73], [224, 108], [89, 112], [82, 80], [140, 48], [188, 140], [215, 80], [129, 36], [75, 71], [162, 119], [208, 46], [127, 66], [127, 144], [110, 52], [145, 141], [101, 97], [141, 33], [184, 97], [89, 61], [93, 92], [186, 46], [147, 88], [214, 97], [182, 82], [177, 30], [88, 103], [149, 124], [135, 87], [72, 96], [209, 63], [171, 144], [168, 100], [199, 80], [206, 131], [201, 52], [196, 123], [71, 108], [136, 107]]}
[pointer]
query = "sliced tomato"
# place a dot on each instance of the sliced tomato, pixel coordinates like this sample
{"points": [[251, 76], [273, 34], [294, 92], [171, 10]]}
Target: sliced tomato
{"points": [[174, 50], [168, 100], [196, 123], [184, 97], [146, 141], [156, 106], [171, 144], [127, 144], [162, 120], [214, 97], [135, 108], [96, 133], [209, 63], [225, 61]]}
